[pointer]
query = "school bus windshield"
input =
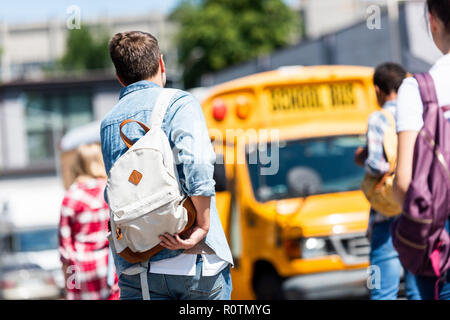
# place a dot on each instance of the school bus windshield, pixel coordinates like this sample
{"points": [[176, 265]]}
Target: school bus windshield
{"points": [[310, 167]]}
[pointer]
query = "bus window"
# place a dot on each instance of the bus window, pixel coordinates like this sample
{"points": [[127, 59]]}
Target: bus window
{"points": [[310, 167]]}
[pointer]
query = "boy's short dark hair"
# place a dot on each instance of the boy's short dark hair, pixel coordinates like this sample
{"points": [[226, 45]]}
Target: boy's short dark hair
{"points": [[389, 76], [135, 55]]}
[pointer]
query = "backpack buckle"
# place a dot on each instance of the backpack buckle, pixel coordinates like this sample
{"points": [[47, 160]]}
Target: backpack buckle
{"points": [[118, 233]]}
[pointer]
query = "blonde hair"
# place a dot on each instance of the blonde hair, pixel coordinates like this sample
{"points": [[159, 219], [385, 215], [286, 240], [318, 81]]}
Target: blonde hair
{"points": [[89, 162]]}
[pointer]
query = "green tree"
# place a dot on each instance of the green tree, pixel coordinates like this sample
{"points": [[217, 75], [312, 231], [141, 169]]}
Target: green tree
{"points": [[215, 34], [84, 51]]}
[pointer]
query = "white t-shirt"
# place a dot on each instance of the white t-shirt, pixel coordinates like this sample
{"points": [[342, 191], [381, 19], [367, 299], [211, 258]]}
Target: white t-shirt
{"points": [[409, 102], [184, 265]]}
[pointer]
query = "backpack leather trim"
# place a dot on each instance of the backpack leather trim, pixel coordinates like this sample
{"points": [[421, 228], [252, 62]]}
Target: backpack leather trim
{"points": [[135, 177], [125, 139], [135, 257]]}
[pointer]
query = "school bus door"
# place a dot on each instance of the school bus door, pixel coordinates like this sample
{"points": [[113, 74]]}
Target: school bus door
{"points": [[229, 207]]}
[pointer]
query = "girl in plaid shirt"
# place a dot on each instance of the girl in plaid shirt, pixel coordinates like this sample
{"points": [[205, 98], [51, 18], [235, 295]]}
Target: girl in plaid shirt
{"points": [[83, 243]]}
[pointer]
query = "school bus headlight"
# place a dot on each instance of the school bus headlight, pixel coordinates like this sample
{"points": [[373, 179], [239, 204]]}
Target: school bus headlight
{"points": [[307, 248], [242, 107], [316, 247]]}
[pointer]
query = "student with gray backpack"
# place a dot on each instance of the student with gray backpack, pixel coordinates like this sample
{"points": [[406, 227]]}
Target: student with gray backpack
{"points": [[422, 184], [159, 159]]}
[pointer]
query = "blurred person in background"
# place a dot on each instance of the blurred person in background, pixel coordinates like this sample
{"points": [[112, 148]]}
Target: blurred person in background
{"points": [[387, 79], [410, 122], [83, 243]]}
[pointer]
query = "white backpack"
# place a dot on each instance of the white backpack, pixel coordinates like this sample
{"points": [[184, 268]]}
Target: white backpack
{"points": [[145, 197]]}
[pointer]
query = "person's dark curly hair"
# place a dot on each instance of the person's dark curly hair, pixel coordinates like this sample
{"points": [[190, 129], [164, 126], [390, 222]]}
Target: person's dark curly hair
{"points": [[388, 77]]}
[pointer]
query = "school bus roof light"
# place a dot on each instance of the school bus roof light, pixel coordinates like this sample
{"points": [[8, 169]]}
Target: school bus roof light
{"points": [[242, 107], [219, 109]]}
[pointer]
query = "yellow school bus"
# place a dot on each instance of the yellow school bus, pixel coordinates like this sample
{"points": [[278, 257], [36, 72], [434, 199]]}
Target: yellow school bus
{"points": [[287, 189]]}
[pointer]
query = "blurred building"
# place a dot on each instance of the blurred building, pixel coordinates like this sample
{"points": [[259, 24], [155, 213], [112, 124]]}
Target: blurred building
{"points": [[34, 115], [36, 110], [325, 16], [27, 48]]}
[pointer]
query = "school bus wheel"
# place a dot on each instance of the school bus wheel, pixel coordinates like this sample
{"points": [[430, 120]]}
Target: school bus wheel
{"points": [[267, 284]]}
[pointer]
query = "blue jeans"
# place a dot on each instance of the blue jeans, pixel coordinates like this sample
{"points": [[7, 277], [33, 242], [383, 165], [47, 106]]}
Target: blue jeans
{"points": [[175, 287], [384, 255], [427, 285]]}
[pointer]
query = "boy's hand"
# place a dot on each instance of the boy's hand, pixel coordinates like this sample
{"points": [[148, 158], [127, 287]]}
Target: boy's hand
{"points": [[361, 155], [194, 235], [175, 242]]}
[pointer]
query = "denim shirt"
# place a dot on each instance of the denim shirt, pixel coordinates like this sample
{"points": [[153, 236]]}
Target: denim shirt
{"points": [[185, 127]]}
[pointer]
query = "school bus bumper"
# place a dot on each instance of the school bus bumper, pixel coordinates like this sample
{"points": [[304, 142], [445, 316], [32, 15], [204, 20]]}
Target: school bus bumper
{"points": [[327, 285]]}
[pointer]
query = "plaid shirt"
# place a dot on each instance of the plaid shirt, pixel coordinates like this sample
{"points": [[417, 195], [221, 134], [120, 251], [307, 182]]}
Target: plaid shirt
{"points": [[83, 245], [376, 163]]}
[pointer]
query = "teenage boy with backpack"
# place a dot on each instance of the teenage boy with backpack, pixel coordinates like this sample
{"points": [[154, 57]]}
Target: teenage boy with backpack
{"points": [[196, 265], [378, 165]]}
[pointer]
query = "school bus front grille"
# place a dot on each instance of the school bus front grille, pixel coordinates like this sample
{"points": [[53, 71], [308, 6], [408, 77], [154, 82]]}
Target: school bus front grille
{"points": [[352, 248]]}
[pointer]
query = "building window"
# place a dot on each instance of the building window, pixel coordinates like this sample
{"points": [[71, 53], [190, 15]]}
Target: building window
{"points": [[49, 116]]}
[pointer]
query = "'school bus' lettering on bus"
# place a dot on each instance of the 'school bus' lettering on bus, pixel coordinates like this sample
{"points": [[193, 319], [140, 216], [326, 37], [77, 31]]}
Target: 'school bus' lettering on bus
{"points": [[296, 98], [342, 94], [312, 97]]}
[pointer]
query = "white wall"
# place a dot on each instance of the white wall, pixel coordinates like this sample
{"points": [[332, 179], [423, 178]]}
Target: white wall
{"points": [[420, 40], [2, 121], [325, 16], [103, 102], [15, 129], [43, 200], [5, 56]]}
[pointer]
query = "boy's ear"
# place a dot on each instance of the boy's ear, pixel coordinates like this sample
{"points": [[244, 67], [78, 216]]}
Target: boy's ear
{"points": [[377, 89], [162, 64], [120, 80], [432, 21]]}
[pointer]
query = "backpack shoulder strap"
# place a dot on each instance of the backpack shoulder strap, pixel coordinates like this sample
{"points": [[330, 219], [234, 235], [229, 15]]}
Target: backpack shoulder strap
{"points": [[161, 105], [389, 116], [390, 140], [429, 100], [426, 88]]}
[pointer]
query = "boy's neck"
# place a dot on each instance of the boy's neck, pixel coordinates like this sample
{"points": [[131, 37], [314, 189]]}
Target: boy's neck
{"points": [[156, 79]]}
